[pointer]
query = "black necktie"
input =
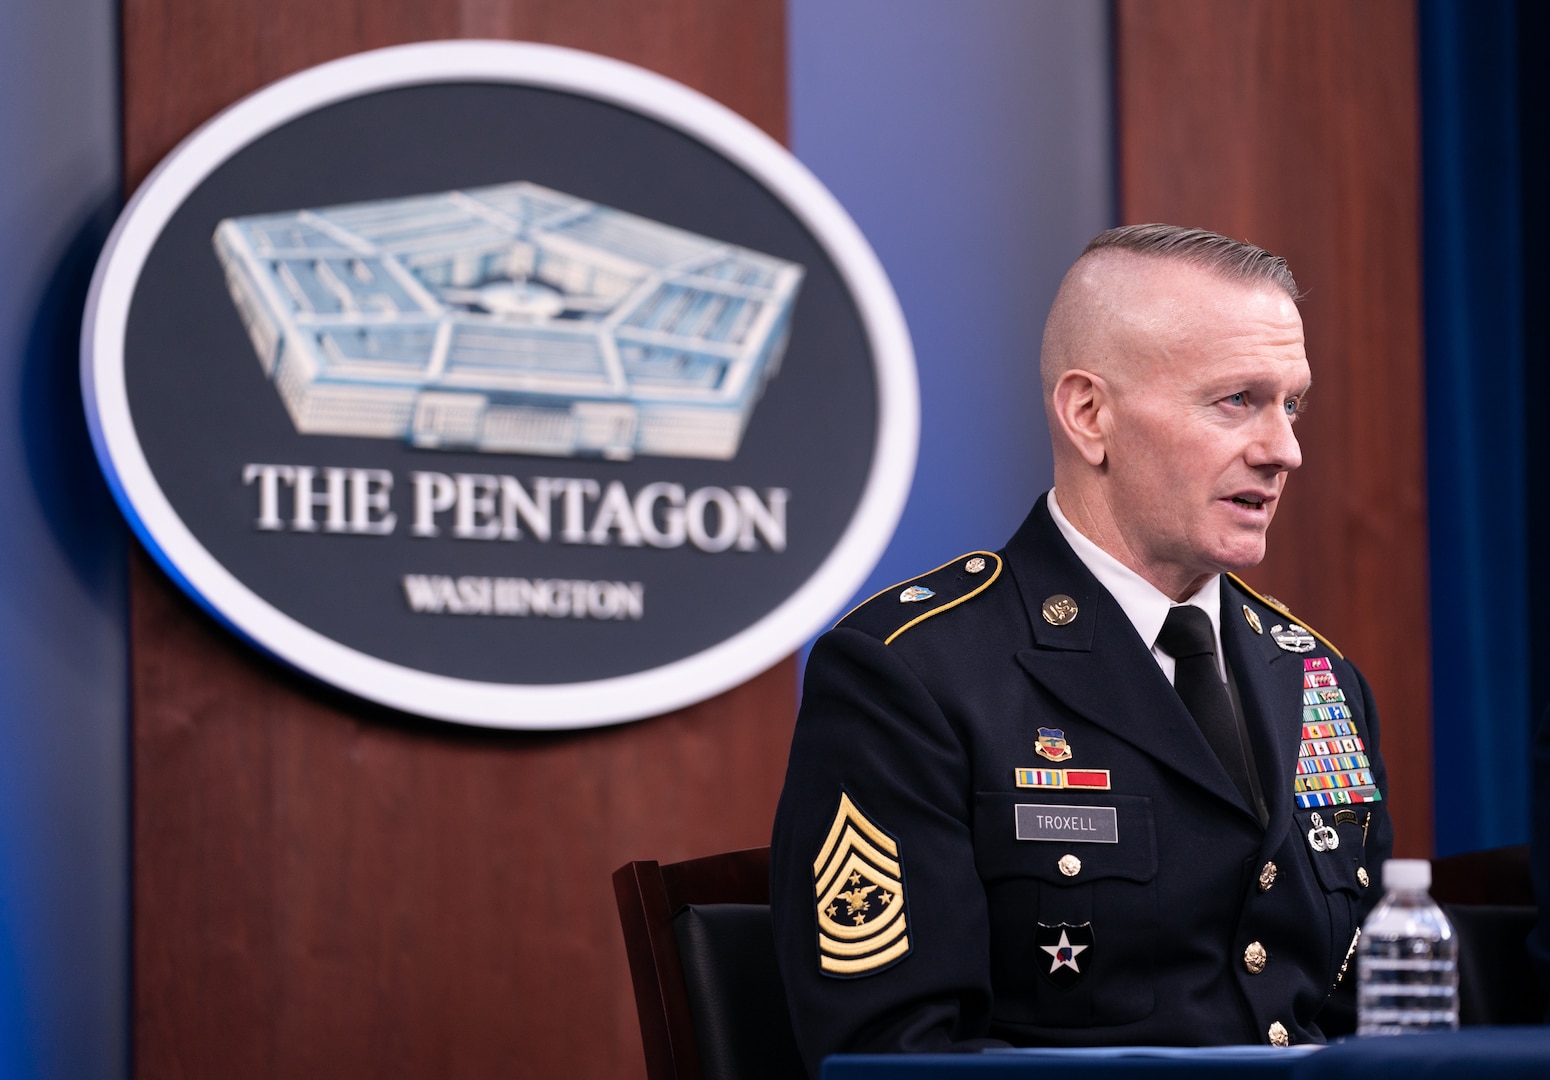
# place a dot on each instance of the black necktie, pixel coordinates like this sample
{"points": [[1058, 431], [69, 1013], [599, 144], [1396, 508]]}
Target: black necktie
{"points": [[1187, 637]]}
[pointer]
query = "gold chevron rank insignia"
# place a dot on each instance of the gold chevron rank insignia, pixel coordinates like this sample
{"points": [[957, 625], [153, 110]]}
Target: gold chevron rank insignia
{"points": [[859, 887]]}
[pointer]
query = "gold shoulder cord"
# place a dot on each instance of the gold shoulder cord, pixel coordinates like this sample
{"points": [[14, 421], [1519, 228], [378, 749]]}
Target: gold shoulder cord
{"points": [[923, 616], [987, 555], [1283, 610]]}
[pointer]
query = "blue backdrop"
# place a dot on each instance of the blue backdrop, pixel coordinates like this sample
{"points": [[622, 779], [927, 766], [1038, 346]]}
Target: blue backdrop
{"points": [[64, 868], [972, 142], [1476, 422]]}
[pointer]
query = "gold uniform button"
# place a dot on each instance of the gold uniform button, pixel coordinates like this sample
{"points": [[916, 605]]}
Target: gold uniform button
{"points": [[1278, 1035], [1267, 876], [1070, 865], [1255, 957], [1361, 875]]}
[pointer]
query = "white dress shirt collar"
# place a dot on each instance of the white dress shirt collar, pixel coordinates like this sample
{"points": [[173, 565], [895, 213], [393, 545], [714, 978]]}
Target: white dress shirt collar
{"points": [[1143, 603]]}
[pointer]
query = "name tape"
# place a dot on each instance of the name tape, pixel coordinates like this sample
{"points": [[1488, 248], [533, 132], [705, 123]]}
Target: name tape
{"points": [[1078, 824]]}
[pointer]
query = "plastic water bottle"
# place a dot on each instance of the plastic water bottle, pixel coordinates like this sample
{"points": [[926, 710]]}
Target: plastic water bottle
{"points": [[1407, 976]]}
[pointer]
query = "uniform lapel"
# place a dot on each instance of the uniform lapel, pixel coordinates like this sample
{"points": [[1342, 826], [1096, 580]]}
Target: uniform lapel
{"points": [[1097, 664], [1270, 687]]}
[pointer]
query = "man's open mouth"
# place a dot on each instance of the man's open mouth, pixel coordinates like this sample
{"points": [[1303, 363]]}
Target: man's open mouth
{"points": [[1252, 502]]}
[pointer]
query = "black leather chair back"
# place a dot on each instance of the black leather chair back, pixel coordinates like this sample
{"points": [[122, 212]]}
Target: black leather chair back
{"points": [[741, 1023], [1497, 981]]}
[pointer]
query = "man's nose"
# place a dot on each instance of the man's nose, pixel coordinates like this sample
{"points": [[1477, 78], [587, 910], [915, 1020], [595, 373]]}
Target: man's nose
{"points": [[1276, 445]]}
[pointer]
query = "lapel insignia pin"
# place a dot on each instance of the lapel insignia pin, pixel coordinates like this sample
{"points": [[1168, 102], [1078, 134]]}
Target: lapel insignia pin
{"points": [[1252, 618], [915, 594], [1069, 948], [1294, 639], [975, 565], [858, 886], [1059, 609], [1322, 837], [1052, 744]]}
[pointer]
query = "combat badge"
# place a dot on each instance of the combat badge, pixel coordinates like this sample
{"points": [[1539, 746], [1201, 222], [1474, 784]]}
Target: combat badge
{"points": [[1293, 638], [858, 883], [1069, 948], [1052, 744]]}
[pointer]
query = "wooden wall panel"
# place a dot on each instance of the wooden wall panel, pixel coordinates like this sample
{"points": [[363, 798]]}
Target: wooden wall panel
{"points": [[185, 60], [327, 888], [1294, 123]]}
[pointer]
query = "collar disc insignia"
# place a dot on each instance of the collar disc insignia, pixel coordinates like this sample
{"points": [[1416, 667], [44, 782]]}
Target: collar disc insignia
{"points": [[1058, 610]]}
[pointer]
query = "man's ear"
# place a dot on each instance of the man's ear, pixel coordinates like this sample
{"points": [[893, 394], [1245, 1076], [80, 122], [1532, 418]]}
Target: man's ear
{"points": [[1080, 402]]}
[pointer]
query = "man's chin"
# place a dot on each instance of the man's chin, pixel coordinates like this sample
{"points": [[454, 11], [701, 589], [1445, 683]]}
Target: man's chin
{"points": [[1239, 554], [1241, 561]]}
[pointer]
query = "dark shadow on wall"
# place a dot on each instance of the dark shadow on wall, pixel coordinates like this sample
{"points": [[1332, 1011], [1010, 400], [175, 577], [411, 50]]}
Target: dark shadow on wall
{"points": [[71, 493]]}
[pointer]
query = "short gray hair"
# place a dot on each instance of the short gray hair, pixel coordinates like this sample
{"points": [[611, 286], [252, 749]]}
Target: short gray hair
{"points": [[1236, 260]]}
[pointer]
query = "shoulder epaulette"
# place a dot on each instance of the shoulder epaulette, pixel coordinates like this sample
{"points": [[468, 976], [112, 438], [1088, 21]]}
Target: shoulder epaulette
{"points": [[910, 603], [1276, 605]]}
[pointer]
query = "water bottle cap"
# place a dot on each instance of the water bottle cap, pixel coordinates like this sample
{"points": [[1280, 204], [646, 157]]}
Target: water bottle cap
{"points": [[1409, 874]]}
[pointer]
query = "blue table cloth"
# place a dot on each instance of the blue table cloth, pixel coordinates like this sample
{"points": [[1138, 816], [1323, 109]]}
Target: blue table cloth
{"points": [[1511, 1053]]}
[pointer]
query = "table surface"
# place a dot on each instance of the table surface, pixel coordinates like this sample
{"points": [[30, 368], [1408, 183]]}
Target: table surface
{"points": [[1505, 1053]]}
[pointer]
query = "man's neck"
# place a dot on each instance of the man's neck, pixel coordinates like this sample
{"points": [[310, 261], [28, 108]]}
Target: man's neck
{"points": [[1090, 514]]}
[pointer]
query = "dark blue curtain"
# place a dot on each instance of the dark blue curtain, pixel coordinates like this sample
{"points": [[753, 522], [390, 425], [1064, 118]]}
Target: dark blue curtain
{"points": [[1483, 428]]}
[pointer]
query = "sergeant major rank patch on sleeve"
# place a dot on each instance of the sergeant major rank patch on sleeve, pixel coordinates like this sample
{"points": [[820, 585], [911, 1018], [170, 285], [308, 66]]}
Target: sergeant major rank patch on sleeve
{"points": [[858, 885]]}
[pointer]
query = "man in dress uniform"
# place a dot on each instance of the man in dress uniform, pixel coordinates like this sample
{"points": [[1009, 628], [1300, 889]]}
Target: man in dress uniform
{"points": [[1092, 789]]}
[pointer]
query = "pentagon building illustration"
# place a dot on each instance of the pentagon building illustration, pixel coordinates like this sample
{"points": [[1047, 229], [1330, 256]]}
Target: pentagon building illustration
{"points": [[509, 319]]}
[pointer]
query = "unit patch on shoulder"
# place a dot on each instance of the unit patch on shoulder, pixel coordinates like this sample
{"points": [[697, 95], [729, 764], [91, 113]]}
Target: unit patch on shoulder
{"points": [[910, 603], [858, 886]]}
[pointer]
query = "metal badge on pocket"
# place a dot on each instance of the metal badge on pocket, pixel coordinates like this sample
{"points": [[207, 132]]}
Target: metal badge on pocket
{"points": [[1322, 837]]}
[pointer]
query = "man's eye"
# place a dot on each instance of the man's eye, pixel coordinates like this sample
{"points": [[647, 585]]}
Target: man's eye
{"points": [[1240, 398], [1293, 406]]}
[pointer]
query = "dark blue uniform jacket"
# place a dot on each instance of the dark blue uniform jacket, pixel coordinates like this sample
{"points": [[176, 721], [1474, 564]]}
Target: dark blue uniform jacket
{"points": [[910, 915]]}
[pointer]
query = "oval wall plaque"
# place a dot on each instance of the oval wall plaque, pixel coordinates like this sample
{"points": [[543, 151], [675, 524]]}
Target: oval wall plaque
{"points": [[502, 384]]}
